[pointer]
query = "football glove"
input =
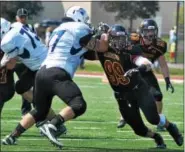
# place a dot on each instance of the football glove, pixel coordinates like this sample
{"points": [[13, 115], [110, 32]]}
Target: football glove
{"points": [[169, 85]]}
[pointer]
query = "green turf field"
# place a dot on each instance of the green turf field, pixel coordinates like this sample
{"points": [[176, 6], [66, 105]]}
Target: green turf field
{"points": [[96, 130]]}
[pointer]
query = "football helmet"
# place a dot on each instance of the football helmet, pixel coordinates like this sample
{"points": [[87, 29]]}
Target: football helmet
{"points": [[103, 27], [5, 27], [149, 29], [78, 14], [118, 37]]}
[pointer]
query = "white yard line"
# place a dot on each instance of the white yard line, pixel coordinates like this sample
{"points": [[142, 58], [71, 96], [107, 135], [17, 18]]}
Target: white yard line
{"points": [[77, 139], [84, 122]]}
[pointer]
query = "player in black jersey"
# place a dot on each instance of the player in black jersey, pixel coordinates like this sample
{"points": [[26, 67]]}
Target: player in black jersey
{"points": [[153, 48], [6, 84], [130, 89]]}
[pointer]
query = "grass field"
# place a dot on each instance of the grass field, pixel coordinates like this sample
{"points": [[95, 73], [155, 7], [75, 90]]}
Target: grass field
{"points": [[96, 130]]}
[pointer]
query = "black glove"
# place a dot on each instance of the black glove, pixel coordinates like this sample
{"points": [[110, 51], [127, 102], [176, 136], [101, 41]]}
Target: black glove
{"points": [[169, 85]]}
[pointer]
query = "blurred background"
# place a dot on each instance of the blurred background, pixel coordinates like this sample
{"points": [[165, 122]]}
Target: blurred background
{"points": [[168, 15]]}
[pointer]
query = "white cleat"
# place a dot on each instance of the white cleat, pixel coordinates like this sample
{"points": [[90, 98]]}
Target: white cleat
{"points": [[49, 131]]}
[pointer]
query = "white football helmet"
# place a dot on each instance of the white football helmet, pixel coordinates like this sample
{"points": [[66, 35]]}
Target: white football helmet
{"points": [[5, 27], [78, 14]]}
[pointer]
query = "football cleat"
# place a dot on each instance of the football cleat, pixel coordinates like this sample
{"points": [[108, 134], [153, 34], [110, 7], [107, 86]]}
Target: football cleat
{"points": [[49, 131], [159, 141], [121, 123], [9, 140], [174, 132]]}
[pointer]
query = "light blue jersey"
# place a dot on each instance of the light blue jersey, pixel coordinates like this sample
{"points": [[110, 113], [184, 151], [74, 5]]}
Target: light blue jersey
{"points": [[65, 50], [20, 42]]}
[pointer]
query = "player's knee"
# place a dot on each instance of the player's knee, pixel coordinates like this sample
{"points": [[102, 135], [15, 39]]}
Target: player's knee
{"points": [[39, 115], [21, 87], [78, 105], [154, 120], [158, 97]]}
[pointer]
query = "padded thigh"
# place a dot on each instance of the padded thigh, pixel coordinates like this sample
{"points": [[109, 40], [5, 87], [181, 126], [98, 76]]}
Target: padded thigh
{"points": [[25, 82]]}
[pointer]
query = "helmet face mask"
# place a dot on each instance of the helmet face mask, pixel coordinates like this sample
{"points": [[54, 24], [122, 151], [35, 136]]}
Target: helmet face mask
{"points": [[118, 37], [118, 42], [149, 34], [149, 30]]}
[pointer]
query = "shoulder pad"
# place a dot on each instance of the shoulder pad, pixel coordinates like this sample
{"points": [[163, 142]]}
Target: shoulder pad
{"points": [[160, 43]]}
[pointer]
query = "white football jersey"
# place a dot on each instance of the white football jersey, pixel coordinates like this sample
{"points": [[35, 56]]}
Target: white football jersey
{"points": [[65, 50], [20, 42]]}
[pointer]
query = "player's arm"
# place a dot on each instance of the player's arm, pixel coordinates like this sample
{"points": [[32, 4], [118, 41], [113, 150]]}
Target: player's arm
{"points": [[89, 41], [91, 55], [10, 51], [165, 72]]}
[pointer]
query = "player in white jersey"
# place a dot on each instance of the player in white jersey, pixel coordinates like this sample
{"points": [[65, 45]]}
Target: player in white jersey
{"points": [[22, 17], [66, 47], [20, 44]]}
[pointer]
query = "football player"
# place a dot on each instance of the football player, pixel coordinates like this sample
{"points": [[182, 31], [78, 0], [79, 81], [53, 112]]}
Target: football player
{"points": [[67, 44], [130, 89], [154, 49], [6, 73], [21, 17], [20, 44]]}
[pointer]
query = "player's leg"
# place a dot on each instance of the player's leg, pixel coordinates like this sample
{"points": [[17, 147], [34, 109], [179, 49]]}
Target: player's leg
{"points": [[20, 69], [42, 100], [69, 92], [6, 87], [130, 111], [156, 91], [25, 83], [147, 104]]}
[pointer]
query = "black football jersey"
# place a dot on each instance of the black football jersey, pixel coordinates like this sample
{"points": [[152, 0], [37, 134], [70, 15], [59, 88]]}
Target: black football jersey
{"points": [[5, 75], [151, 52], [116, 63]]}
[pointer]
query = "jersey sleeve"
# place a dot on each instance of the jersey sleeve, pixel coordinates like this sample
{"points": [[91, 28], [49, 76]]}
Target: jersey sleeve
{"points": [[83, 35], [8, 45]]}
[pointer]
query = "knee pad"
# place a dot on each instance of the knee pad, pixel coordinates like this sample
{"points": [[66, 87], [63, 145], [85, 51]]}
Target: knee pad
{"points": [[21, 87], [158, 96], [78, 105], [39, 115]]}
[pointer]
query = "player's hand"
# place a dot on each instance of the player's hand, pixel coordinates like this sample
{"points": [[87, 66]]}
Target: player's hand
{"points": [[103, 43], [11, 64], [169, 85]]}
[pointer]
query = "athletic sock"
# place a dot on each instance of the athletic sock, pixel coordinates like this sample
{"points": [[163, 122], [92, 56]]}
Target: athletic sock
{"points": [[18, 131], [57, 120]]}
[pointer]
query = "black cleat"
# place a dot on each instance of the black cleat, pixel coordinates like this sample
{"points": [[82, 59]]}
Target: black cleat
{"points": [[159, 141], [121, 124], [174, 132], [8, 140]]}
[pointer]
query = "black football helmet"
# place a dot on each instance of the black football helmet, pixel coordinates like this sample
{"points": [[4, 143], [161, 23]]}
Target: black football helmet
{"points": [[149, 29], [103, 27], [118, 37]]}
